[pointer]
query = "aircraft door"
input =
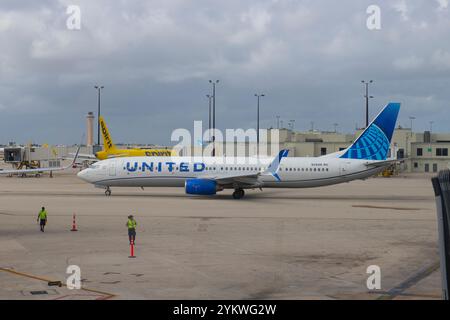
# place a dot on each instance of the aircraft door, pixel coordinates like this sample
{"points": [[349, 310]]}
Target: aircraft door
{"points": [[345, 168], [112, 168]]}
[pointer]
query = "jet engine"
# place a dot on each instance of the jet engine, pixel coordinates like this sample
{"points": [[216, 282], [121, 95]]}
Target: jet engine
{"points": [[200, 186]]}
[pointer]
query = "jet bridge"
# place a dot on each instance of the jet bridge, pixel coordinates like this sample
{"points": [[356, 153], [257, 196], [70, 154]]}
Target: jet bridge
{"points": [[30, 157]]}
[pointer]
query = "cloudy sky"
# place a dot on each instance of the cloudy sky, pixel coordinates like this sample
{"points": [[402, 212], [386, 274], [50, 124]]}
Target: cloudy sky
{"points": [[155, 59]]}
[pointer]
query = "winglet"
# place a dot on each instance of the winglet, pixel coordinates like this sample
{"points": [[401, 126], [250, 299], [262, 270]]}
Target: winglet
{"points": [[275, 164]]}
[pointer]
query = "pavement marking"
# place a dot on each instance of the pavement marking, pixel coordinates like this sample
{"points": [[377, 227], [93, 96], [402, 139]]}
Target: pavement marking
{"points": [[105, 294], [7, 214], [408, 283], [382, 207], [70, 296]]}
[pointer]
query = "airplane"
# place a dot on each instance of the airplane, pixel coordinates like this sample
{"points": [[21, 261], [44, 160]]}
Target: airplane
{"points": [[366, 157], [110, 150], [40, 170]]}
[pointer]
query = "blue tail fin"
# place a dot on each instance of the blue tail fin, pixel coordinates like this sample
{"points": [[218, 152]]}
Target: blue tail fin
{"points": [[374, 142]]}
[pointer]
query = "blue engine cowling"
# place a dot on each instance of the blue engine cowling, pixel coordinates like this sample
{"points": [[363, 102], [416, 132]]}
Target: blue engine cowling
{"points": [[200, 186]]}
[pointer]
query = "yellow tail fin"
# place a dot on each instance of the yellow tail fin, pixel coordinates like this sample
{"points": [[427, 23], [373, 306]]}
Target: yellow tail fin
{"points": [[108, 144]]}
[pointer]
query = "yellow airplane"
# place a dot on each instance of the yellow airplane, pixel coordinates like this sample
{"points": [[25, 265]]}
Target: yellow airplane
{"points": [[110, 150]]}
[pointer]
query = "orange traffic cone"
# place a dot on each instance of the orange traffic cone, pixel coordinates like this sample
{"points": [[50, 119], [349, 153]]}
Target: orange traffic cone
{"points": [[74, 224]]}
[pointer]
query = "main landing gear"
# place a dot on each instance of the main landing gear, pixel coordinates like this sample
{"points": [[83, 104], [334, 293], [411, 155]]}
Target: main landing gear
{"points": [[238, 193], [107, 192]]}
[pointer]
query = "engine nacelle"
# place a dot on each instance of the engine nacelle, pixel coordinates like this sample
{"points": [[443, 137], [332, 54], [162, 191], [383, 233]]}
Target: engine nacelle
{"points": [[200, 186]]}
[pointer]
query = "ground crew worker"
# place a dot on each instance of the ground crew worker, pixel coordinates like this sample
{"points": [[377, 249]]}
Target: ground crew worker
{"points": [[42, 218], [131, 224]]}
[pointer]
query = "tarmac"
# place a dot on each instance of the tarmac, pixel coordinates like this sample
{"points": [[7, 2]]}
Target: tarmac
{"points": [[272, 244]]}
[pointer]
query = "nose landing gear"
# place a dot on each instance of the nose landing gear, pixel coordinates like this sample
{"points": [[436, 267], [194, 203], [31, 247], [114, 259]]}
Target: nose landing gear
{"points": [[107, 192], [238, 193]]}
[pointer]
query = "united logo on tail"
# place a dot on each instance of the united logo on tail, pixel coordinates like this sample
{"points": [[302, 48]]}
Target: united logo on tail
{"points": [[374, 142]]}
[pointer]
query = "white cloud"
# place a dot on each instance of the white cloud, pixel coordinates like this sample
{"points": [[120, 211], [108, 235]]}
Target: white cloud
{"points": [[443, 4], [441, 59], [6, 22], [252, 26], [408, 63], [402, 8]]}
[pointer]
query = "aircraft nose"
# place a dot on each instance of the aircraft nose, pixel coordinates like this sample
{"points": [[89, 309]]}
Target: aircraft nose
{"points": [[83, 175]]}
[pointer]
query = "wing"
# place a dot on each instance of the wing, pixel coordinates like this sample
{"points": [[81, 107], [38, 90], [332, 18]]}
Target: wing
{"points": [[253, 179], [38, 170], [84, 156], [247, 180]]}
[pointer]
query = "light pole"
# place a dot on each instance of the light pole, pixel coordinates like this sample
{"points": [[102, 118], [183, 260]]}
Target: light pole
{"points": [[214, 114], [335, 127], [258, 96], [209, 116], [99, 88], [278, 122], [431, 130], [411, 119], [366, 83], [292, 122]]}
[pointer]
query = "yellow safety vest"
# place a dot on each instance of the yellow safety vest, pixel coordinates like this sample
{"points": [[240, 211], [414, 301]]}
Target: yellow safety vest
{"points": [[43, 215], [131, 224]]}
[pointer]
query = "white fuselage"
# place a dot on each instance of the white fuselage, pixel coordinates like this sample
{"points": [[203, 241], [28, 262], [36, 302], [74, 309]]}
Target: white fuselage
{"points": [[174, 171]]}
